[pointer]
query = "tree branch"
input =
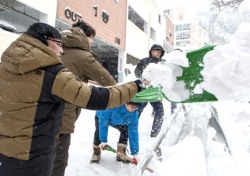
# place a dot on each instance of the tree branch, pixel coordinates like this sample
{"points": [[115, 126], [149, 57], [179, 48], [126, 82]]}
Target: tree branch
{"points": [[221, 5]]}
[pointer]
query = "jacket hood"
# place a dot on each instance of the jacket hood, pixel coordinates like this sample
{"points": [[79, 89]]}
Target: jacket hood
{"points": [[157, 47], [27, 54], [76, 38]]}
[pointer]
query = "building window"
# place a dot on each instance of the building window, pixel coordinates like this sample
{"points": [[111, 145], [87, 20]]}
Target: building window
{"points": [[166, 12], [183, 35], [159, 18], [132, 60], [170, 34], [61, 26], [185, 26], [152, 34], [17, 15], [136, 19]]}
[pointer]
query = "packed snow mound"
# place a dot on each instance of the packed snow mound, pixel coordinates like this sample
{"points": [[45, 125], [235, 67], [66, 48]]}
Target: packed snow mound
{"points": [[226, 68], [177, 57], [225, 71], [164, 75]]}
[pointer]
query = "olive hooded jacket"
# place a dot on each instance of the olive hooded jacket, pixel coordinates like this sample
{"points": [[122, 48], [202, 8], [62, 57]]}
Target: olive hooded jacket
{"points": [[78, 58], [34, 88]]}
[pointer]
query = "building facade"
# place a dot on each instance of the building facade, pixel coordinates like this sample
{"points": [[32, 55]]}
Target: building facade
{"points": [[169, 40], [108, 18], [145, 27], [125, 29], [188, 34]]}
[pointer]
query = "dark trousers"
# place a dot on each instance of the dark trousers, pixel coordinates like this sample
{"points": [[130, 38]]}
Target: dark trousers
{"points": [[158, 117], [123, 139], [38, 166], [61, 158]]}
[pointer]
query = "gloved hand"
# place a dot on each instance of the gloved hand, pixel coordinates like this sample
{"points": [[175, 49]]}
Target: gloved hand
{"points": [[103, 145], [136, 159], [145, 83], [141, 83]]}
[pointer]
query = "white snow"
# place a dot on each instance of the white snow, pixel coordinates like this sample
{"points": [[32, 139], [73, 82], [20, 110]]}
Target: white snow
{"points": [[185, 158], [229, 65]]}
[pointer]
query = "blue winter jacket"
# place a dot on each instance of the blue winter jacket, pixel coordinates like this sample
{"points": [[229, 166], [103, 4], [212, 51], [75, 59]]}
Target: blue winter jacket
{"points": [[120, 116]]}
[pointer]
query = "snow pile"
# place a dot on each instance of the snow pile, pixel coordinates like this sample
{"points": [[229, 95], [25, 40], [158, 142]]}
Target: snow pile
{"points": [[158, 74], [165, 74], [226, 68], [225, 71], [180, 156], [185, 158]]}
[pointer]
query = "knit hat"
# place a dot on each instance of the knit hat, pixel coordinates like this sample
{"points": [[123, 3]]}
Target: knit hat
{"points": [[157, 47], [43, 31]]}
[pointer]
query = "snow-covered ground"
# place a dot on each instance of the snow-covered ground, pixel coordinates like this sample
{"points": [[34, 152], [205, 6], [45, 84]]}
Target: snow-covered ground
{"points": [[184, 158]]}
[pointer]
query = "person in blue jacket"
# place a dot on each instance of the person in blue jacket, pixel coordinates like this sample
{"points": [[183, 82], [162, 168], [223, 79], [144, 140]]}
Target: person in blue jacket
{"points": [[123, 118]]}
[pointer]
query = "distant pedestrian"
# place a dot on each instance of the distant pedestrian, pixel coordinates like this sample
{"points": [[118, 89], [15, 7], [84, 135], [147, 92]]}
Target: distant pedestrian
{"points": [[156, 52]]}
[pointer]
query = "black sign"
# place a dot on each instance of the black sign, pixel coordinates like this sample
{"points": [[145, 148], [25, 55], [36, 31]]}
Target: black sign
{"points": [[72, 15]]}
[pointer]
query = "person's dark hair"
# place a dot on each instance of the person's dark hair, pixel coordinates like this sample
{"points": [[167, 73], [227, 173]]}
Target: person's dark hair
{"points": [[43, 31], [156, 47], [88, 30], [133, 103]]}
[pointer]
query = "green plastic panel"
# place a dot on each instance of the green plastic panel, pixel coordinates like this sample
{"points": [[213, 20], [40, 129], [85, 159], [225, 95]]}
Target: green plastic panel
{"points": [[151, 94], [191, 76]]}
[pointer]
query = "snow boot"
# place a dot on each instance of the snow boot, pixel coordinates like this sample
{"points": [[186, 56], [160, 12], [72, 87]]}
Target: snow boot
{"points": [[122, 149], [96, 156]]}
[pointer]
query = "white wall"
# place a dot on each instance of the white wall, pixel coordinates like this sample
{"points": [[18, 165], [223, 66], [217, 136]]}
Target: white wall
{"points": [[47, 7], [6, 39], [48, 10], [137, 41]]}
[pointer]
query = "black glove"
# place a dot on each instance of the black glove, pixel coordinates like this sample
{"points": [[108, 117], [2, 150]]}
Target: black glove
{"points": [[139, 84]]}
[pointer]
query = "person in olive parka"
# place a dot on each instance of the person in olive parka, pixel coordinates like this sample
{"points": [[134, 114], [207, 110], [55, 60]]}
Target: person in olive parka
{"points": [[80, 60], [34, 87]]}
